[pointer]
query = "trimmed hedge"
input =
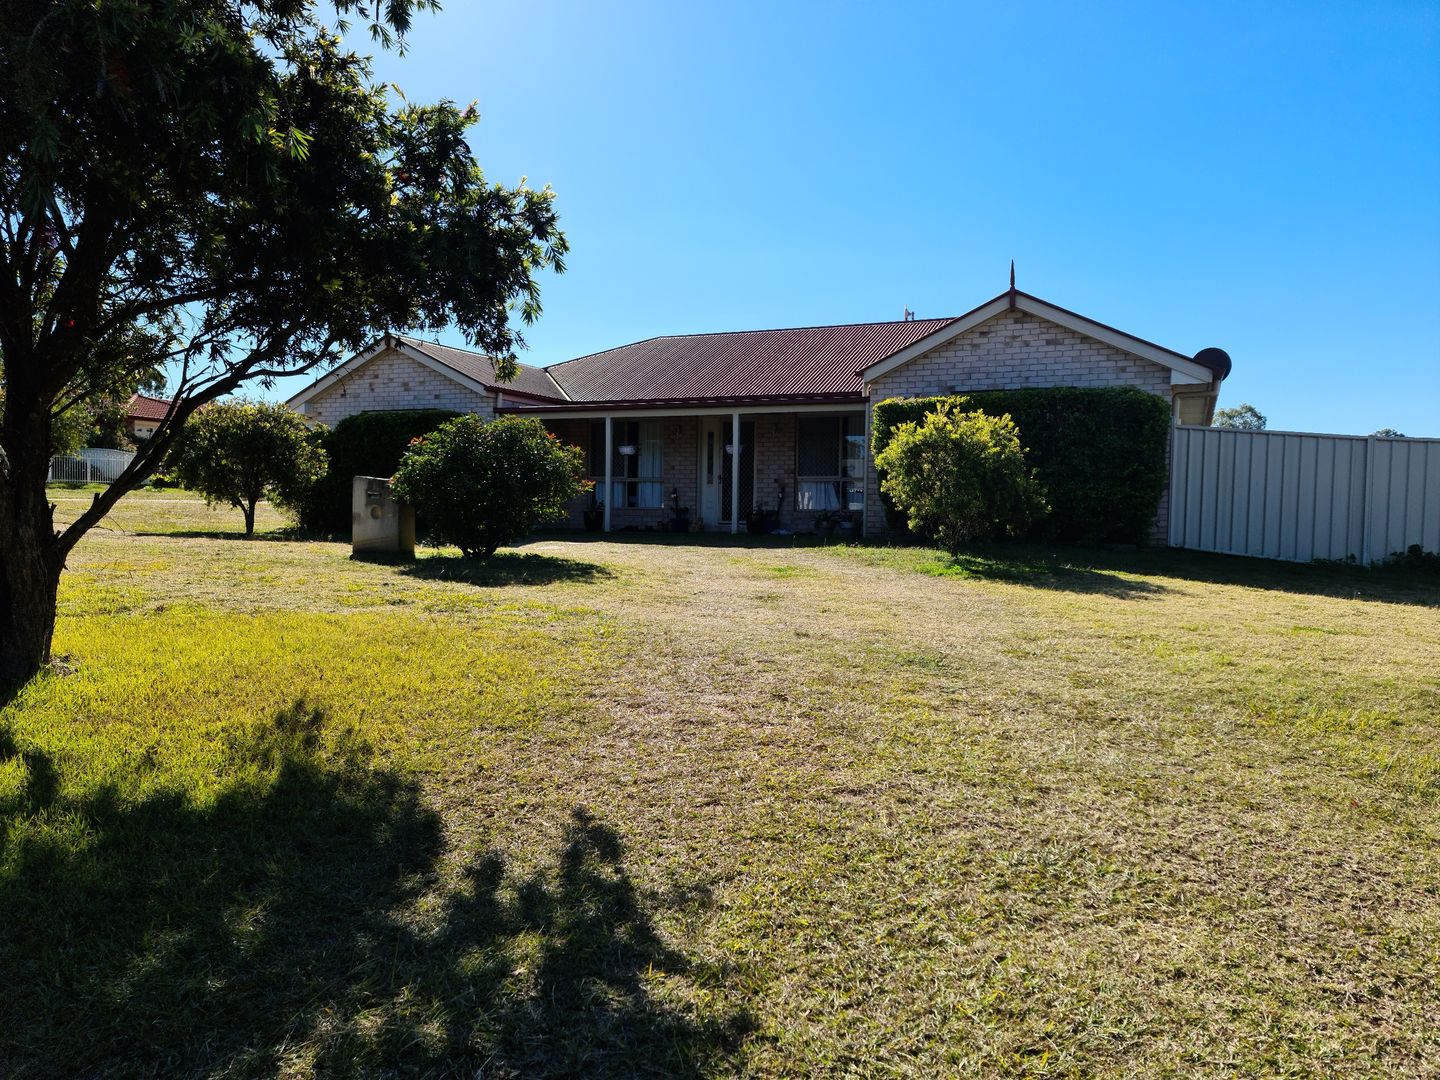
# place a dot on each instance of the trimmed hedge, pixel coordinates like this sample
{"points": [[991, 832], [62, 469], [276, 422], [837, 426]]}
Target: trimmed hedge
{"points": [[366, 444], [1101, 454]]}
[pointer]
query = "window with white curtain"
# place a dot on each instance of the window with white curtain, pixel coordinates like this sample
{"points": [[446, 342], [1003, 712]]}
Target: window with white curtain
{"points": [[637, 478], [830, 463]]}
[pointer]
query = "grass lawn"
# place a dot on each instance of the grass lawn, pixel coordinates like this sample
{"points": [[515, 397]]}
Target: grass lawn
{"points": [[623, 807]]}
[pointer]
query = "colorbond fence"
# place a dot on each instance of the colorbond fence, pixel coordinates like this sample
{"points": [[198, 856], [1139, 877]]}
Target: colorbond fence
{"points": [[1301, 496]]}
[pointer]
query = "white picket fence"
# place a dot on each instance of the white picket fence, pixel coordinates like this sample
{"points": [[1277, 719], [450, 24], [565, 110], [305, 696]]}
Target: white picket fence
{"points": [[90, 466], [1302, 496]]}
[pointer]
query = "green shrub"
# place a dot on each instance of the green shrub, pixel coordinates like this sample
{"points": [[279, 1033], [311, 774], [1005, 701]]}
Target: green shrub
{"points": [[366, 444], [961, 476], [482, 484], [1100, 454], [238, 452]]}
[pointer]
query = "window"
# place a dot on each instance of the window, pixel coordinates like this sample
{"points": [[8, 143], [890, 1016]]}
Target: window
{"points": [[830, 463], [637, 479]]}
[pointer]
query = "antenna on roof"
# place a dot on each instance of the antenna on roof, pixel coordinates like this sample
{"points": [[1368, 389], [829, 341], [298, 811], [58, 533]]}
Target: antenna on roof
{"points": [[909, 315]]}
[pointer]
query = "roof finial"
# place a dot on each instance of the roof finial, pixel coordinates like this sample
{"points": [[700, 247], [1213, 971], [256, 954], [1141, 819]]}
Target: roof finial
{"points": [[1012, 275]]}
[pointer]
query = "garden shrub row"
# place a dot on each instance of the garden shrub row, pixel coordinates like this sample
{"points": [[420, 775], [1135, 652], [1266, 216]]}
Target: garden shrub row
{"points": [[1100, 453], [366, 444]]}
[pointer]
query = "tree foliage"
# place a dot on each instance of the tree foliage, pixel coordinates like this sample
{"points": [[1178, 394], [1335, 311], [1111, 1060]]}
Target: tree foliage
{"points": [[239, 452], [1389, 433], [1242, 417], [365, 444], [481, 484], [961, 476], [219, 188]]}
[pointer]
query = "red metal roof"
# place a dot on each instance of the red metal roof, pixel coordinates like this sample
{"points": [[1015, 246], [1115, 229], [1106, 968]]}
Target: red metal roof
{"points": [[803, 361], [530, 382], [145, 407]]}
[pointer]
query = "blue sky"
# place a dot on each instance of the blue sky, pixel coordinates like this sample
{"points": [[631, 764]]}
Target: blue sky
{"points": [[1261, 177]]}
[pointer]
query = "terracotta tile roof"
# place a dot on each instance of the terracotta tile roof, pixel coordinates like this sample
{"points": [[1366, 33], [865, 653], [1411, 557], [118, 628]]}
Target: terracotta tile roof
{"points": [[803, 361], [145, 407], [531, 381]]}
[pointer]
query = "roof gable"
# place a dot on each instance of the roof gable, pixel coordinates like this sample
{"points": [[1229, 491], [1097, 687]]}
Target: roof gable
{"points": [[1182, 368], [473, 370]]}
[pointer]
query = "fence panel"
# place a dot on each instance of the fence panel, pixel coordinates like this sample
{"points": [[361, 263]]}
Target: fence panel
{"points": [[90, 466], [1301, 495]]}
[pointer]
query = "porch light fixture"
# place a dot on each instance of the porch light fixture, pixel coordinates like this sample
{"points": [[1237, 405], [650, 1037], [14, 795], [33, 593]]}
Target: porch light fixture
{"points": [[731, 448], [628, 449]]}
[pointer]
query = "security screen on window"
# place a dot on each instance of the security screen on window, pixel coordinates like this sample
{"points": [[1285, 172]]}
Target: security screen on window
{"points": [[830, 463], [636, 466]]}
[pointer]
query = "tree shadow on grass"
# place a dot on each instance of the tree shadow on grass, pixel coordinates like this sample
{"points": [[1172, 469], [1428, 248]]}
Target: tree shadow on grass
{"points": [[287, 535], [1041, 570], [1102, 570], [1394, 584], [506, 568], [296, 919]]}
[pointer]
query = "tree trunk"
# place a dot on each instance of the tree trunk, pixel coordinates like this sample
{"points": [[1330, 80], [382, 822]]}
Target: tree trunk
{"points": [[29, 574], [249, 511]]}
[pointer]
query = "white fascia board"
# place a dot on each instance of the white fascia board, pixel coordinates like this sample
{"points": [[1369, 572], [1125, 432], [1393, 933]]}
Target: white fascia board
{"points": [[1182, 369], [335, 374], [1124, 342], [424, 358], [1180, 378], [359, 360], [939, 337]]}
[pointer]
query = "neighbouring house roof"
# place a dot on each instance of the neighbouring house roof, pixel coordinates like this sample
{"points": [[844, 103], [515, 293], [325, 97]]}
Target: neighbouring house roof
{"points": [[145, 407]]}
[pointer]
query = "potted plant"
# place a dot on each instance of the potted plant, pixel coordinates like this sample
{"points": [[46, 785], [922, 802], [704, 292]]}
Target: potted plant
{"points": [[759, 521], [825, 523], [844, 526], [594, 515]]}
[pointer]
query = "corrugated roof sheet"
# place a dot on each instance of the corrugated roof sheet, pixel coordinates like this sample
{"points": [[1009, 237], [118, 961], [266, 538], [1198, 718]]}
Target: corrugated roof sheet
{"points": [[744, 364], [531, 380]]}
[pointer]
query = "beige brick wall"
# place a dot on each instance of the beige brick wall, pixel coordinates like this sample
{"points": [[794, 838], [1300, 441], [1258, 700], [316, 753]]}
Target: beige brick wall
{"points": [[395, 381], [677, 464], [774, 470], [1013, 351]]}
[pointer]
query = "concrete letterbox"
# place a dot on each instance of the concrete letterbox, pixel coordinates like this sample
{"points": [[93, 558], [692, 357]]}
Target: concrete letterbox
{"points": [[379, 525]]}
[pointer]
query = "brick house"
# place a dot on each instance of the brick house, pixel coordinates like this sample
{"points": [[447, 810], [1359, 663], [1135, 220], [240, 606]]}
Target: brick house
{"points": [[784, 414]]}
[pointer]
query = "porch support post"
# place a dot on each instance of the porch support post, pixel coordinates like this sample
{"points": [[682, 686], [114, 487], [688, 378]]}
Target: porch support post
{"points": [[734, 473], [609, 464]]}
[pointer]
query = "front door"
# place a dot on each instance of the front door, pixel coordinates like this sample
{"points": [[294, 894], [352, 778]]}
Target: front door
{"points": [[716, 471], [711, 457]]}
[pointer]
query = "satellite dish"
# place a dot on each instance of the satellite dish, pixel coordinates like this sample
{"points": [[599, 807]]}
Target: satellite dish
{"points": [[1217, 360]]}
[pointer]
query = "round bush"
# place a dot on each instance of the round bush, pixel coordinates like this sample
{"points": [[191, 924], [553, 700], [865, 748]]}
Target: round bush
{"points": [[961, 476], [481, 484], [238, 452]]}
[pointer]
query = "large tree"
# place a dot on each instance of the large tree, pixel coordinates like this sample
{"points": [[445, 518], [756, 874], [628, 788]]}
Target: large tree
{"points": [[1242, 417], [220, 187]]}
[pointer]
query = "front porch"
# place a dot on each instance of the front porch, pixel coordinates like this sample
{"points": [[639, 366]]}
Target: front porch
{"points": [[795, 469]]}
